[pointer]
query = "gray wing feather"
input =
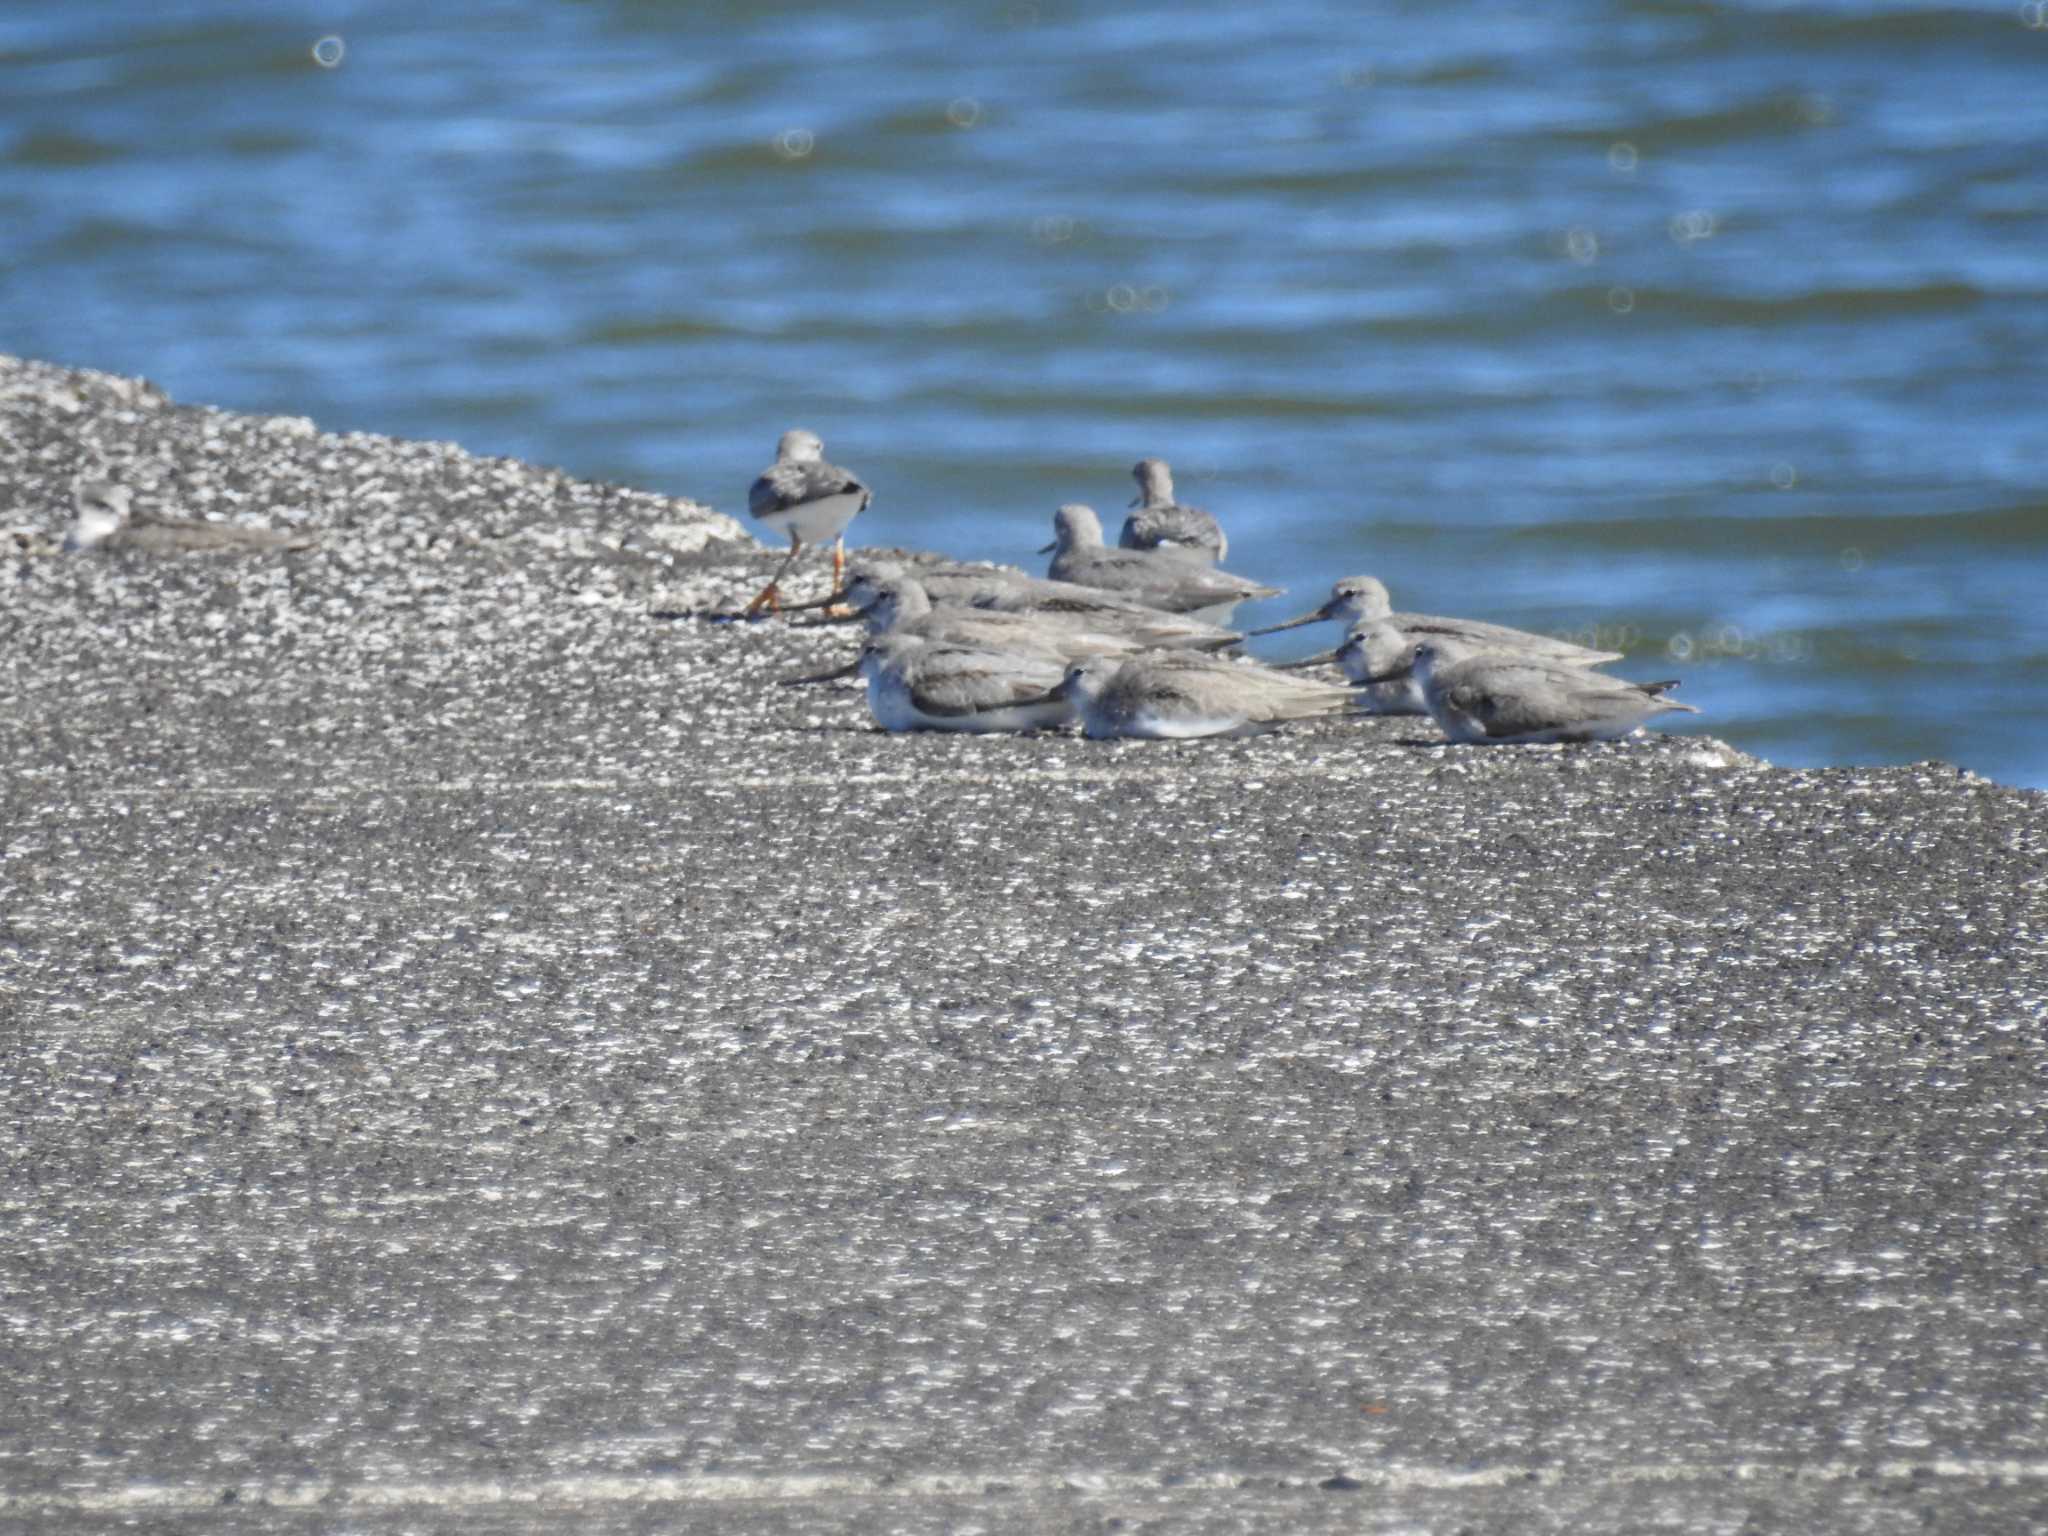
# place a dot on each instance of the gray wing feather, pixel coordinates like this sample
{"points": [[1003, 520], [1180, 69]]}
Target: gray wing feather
{"points": [[1149, 527], [1480, 635], [966, 688], [1258, 693], [1169, 577], [1514, 700], [783, 486]]}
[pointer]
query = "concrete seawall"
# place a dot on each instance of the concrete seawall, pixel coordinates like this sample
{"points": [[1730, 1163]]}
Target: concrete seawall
{"points": [[476, 1053]]}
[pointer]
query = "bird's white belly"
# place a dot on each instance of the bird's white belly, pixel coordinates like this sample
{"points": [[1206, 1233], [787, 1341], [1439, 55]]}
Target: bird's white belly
{"points": [[812, 521], [1168, 725]]}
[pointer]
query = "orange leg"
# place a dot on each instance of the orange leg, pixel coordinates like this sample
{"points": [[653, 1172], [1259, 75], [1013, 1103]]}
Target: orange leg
{"points": [[839, 610], [770, 596]]}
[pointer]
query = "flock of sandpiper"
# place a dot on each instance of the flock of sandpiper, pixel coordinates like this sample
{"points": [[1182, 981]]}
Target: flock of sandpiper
{"points": [[1131, 641]]}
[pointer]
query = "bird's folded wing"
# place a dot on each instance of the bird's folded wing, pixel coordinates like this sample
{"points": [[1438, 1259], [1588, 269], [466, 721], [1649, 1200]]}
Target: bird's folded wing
{"points": [[791, 485], [967, 689]]}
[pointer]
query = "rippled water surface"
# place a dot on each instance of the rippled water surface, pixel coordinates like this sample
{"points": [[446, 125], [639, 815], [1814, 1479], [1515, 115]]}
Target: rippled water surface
{"points": [[1713, 327]]}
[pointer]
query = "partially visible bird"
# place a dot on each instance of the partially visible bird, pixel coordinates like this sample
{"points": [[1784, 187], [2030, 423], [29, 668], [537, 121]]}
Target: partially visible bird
{"points": [[808, 499], [1377, 646], [1359, 600], [887, 597], [1002, 589], [106, 519], [1370, 650], [1504, 699], [900, 603], [948, 581], [1167, 695], [916, 683], [1157, 521], [1161, 581]]}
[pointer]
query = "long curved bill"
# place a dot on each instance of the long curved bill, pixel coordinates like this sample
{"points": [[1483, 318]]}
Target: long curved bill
{"points": [[1320, 659], [1049, 548], [1295, 623], [851, 669]]}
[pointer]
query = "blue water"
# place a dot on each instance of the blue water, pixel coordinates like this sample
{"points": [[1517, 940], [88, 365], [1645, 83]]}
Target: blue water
{"points": [[1715, 327]]}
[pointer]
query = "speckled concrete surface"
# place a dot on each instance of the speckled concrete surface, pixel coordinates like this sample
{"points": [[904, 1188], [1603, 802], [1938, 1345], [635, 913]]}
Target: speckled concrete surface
{"points": [[478, 1057]]}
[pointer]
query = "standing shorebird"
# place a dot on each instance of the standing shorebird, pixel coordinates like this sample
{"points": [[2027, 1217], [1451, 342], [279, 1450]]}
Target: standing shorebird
{"points": [[1502, 700], [1162, 581], [803, 496], [1157, 521], [107, 519]]}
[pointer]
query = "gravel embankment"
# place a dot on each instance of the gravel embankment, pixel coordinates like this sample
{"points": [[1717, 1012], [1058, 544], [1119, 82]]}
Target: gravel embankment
{"points": [[478, 1056]]}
